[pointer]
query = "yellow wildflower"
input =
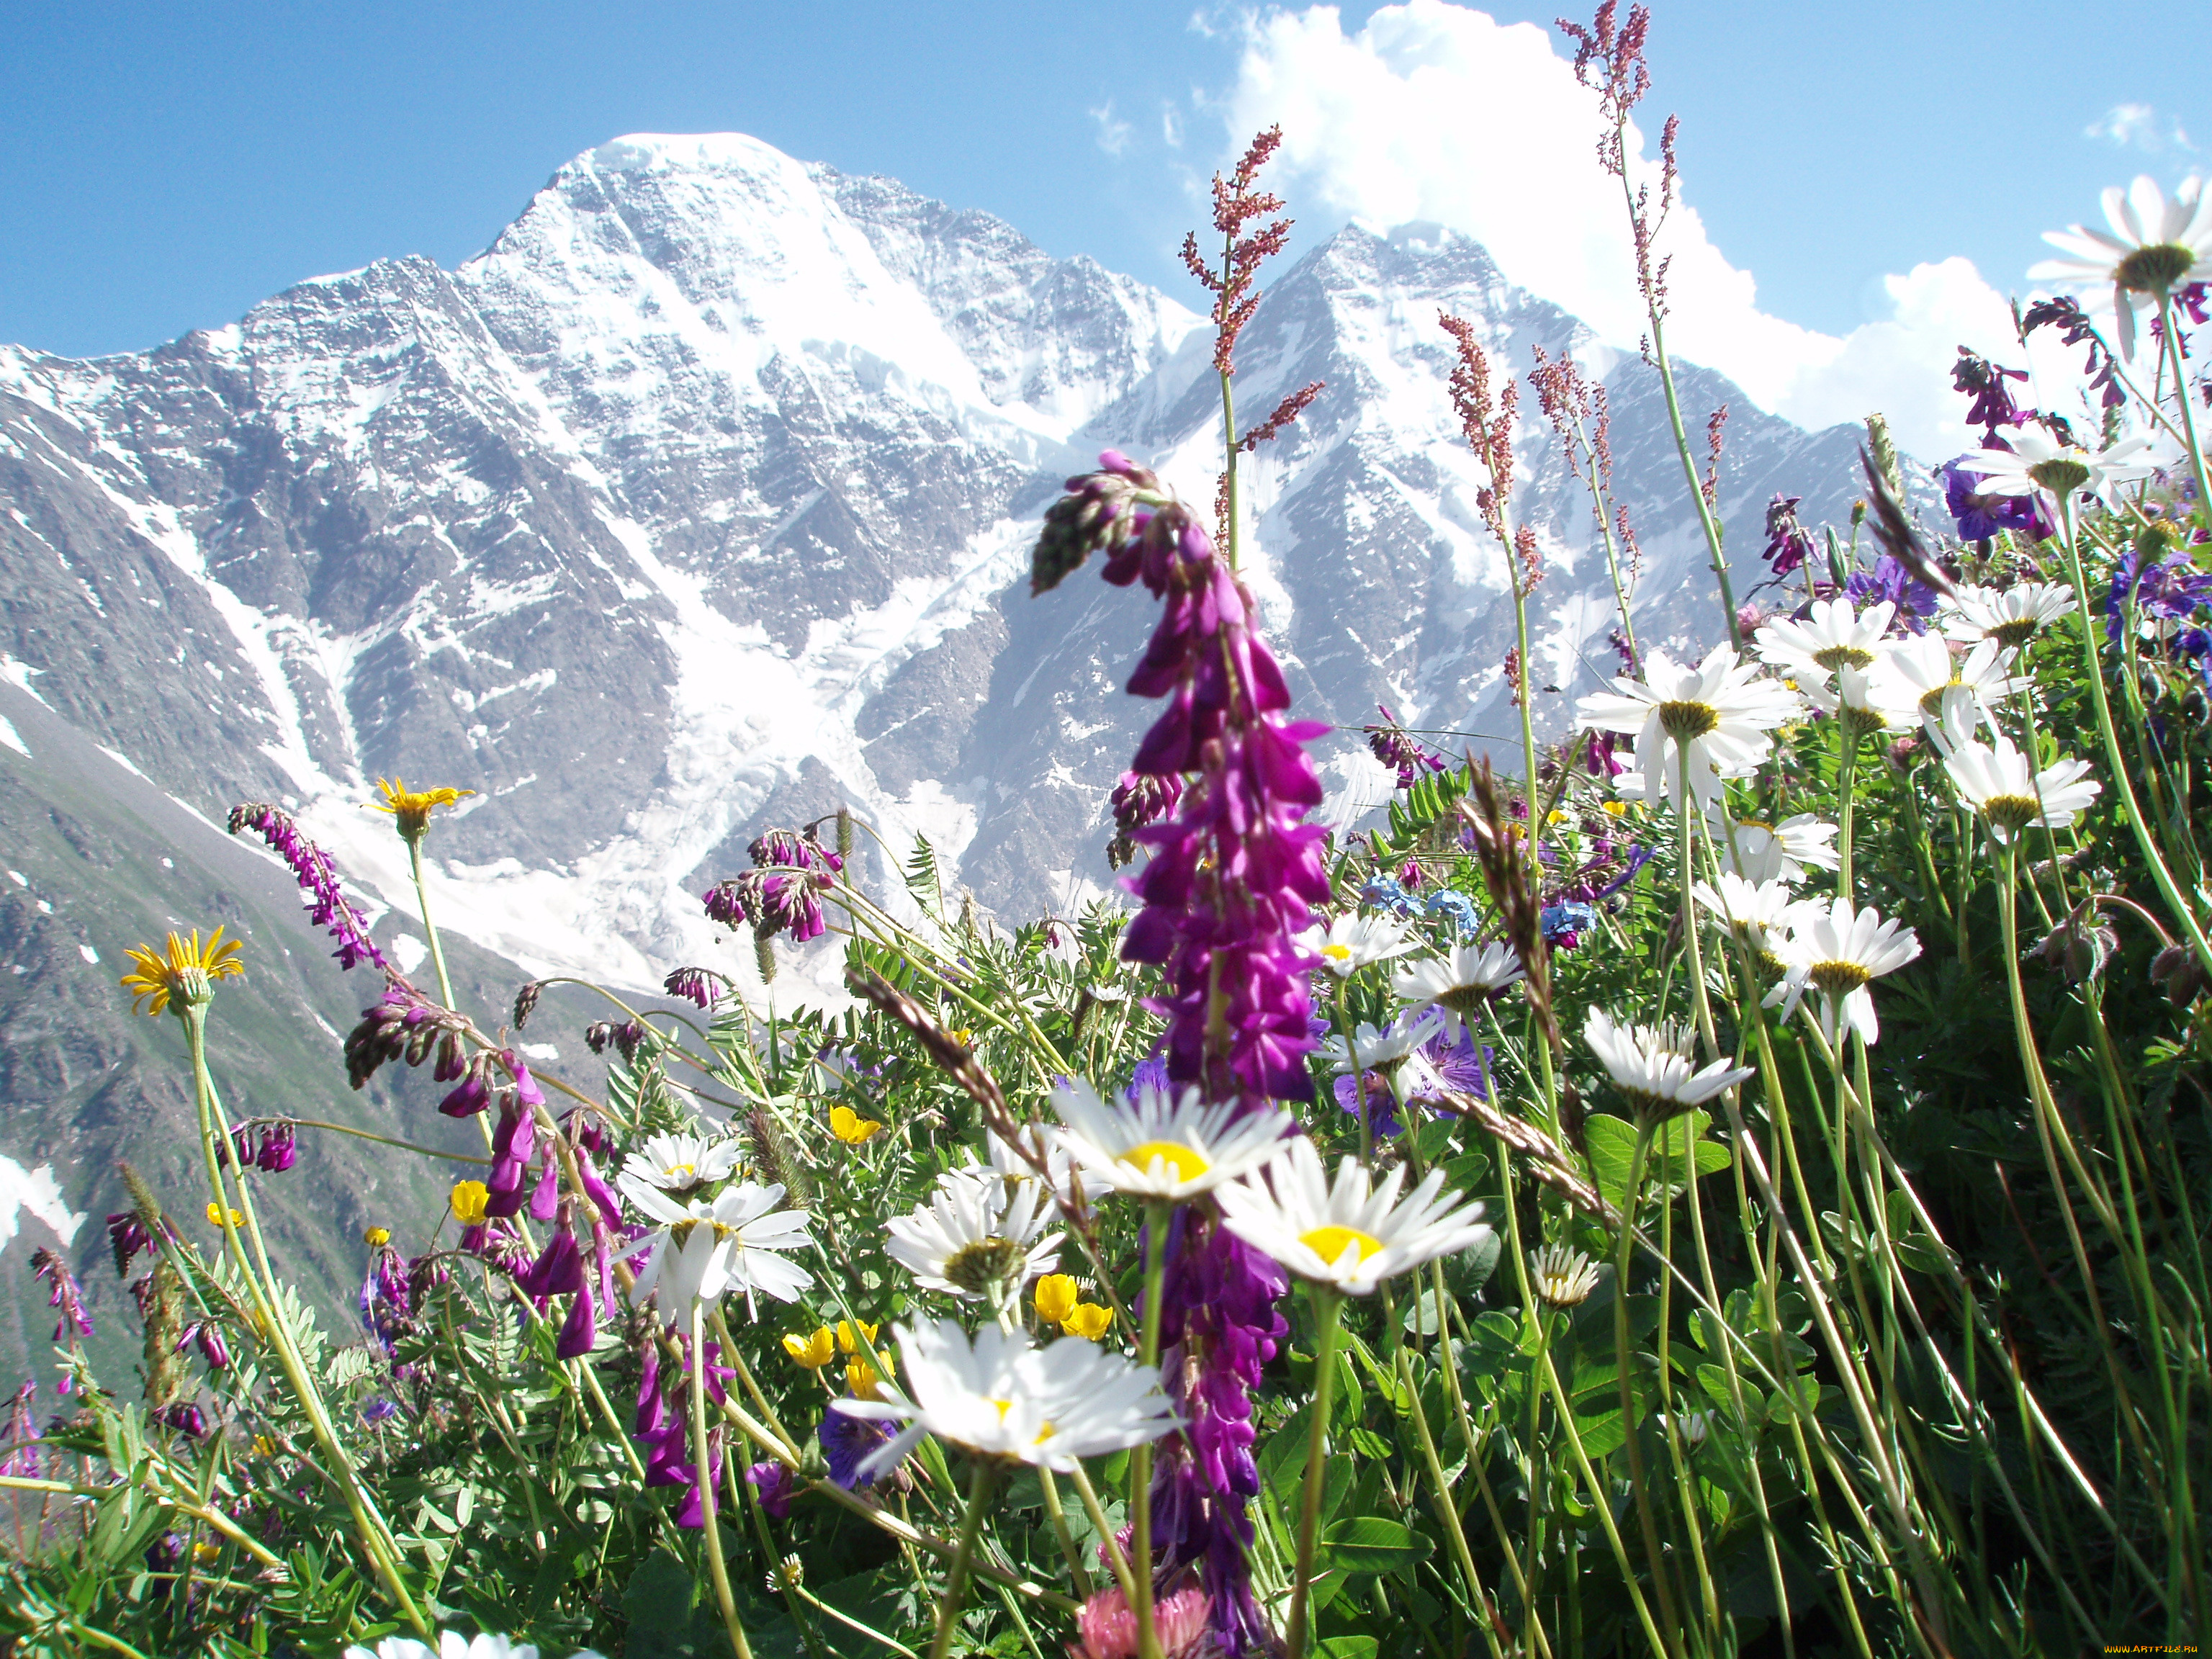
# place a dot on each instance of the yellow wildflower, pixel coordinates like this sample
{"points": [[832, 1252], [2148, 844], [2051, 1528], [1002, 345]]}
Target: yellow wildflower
{"points": [[203, 1552], [185, 972], [469, 1198], [376, 1238], [215, 1216], [964, 1037], [263, 1446], [861, 1378], [849, 1127], [1088, 1321], [848, 1343], [1555, 816], [1618, 808], [411, 807], [812, 1352], [1057, 1296]]}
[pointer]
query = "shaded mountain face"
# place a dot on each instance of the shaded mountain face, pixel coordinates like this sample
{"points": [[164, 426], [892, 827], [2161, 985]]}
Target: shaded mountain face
{"points": [[701, 501]]}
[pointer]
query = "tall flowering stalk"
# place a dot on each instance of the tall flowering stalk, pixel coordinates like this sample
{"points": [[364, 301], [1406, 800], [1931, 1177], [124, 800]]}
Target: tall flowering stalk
{"points": [[1232, 879]]}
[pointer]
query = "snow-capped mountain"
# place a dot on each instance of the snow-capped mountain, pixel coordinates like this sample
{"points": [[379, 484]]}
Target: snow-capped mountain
{"points": [[702, 500]]}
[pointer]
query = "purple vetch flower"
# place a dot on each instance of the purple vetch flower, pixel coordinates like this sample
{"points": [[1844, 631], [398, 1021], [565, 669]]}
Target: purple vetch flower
{"points": [[317, 877], [379, 1410], [1398, 750], [67, 1295], [701, 985], [1983, 381], [404, 1025], [778, 894], [209, 1338], [515, 1140], [662, 1425], [184, 1417], [847, 1442], [386, 1297], [774, 1484], [127, 1235], [1789, 544], [627, 1037], [1232, 882], [19, 1442]]}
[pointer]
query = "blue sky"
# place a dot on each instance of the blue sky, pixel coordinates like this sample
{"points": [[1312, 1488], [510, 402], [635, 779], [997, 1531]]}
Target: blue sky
{"points": [[171, 164]]}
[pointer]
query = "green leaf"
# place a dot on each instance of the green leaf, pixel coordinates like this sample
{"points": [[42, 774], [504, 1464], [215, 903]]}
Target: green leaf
{"points": [[1349, 1647], [1369, 1544]]}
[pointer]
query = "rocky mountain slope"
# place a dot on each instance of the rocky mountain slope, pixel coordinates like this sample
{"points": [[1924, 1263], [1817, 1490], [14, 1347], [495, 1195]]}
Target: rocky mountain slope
{"points": [[701, 501]]}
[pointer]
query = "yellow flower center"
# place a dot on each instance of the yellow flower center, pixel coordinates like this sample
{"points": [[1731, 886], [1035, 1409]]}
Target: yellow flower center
{"points": [[1837, 978], [1186, 1162], [1686, 719], [2153, 269], [1842, 656], [2012, 812], [1337, 952], [1329, 1244]]}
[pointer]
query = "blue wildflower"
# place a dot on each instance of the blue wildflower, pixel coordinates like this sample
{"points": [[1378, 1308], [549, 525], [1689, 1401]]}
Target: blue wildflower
{"points": [[1564, 924], [1385, 893], [1450, 903], [846, 1442]]}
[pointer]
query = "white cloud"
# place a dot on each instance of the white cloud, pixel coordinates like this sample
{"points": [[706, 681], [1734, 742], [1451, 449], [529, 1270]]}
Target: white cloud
{"points": [[2136, 127], [1437, 111], [1171, 126], [1114, 133]]}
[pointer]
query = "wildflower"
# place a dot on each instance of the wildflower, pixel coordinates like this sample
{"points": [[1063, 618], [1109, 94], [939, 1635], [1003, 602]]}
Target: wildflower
{"points": [[1352, 941], [1396, 749], [1788, 546], [851, 1341], [701, 1251], [1562, 1277], [1385, 1050], [1455, 907], [185, 973], [1001, 1396], [127, 1235], [1564, 924], [2036, 463], [1863, 704], [702, 986], [1653, 1066], [1711, 721], [204, 1334], [849, 1127], [410, 808], [184, 1417], [1778, 852], [214, 1213], [980, 1236], [679, 1165], [1894, 583], [1089, 1320], [1985, 382], [2155, 246], [468, 1199], [311, 868], [1919, 670], [451, 1644], [1837, 951], [1056, 1296], [1980, 516], [847, 1442], [1833, 635], [1444, 1065], [67, 1294], [2010, 616], [2167, 590], [1347, 1235], [774, 1483], [812, 1352], [1160, 1145], [1765, 910], [1460, 984], [778, 893], [864, 1379], [2002, 785], [1108, 1628], [1385, 893]]}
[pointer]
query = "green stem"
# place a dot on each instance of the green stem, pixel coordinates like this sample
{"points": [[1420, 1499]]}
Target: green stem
{"points": [[717, 1569], [1328, 1309], [1156, 1215], [429, 929], [963, 1553], [1447, 1510]]}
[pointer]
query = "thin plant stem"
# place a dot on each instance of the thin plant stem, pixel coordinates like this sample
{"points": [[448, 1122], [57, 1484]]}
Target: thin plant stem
{"points": [[963, 1553], [717, 1569], [1157, 1217], [1328, 1310]]}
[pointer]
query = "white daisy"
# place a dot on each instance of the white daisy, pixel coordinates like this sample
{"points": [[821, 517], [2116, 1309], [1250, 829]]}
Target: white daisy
{"points": [[681, 1163], [1655, 1066], [1832, 637], [1919, 670], [1863, 701], [1456, 985], [451, 1644], [2155, 245], [1008, 1163], [999, 1396], [1836, 951], [1778, 852], [1765, 910], [1164, 1144], [2010, 616], [1561, 1276], [2037, 462], [1347, 1235], [1353, 941], [2004, 785], [702, 1251], [1717, 714], [981, 1234], [1385, 1050]]}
